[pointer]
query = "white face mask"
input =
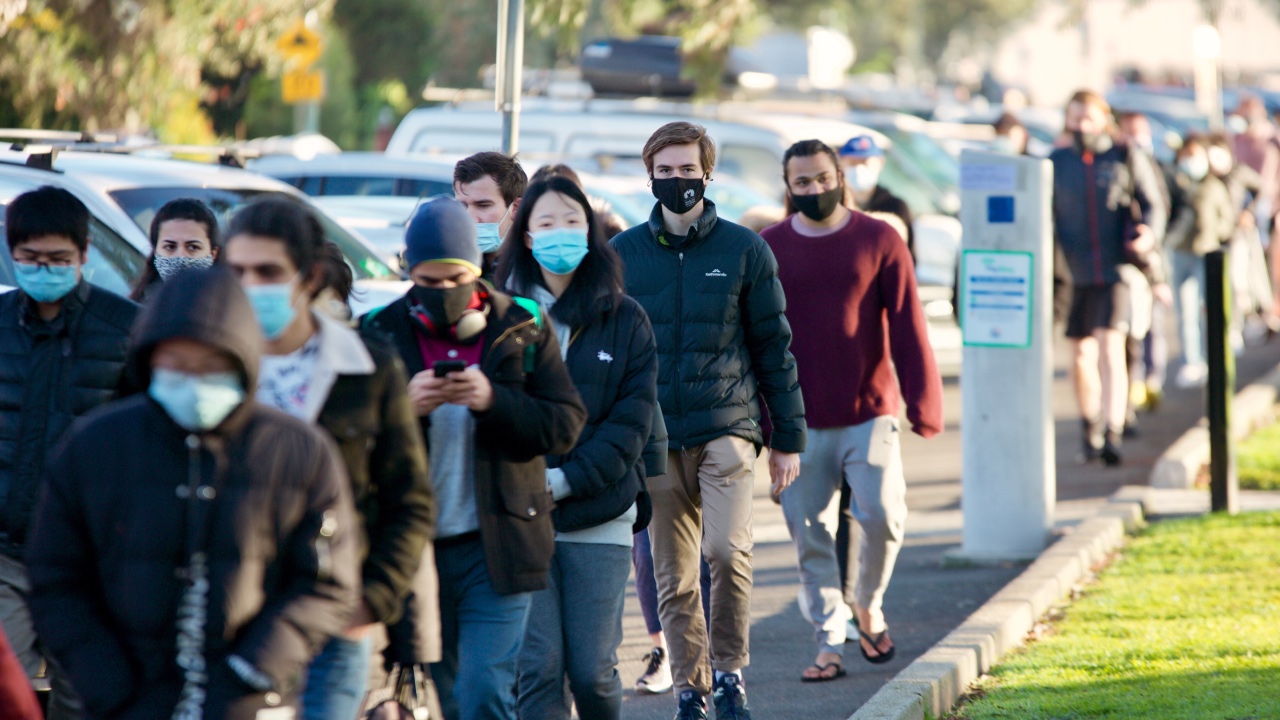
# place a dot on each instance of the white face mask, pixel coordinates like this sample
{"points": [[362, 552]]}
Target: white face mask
{"points": [[862, 178]]}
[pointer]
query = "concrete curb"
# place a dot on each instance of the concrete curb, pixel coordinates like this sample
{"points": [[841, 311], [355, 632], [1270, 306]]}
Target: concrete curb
{"points": [[932, 684], [1253, 408]]}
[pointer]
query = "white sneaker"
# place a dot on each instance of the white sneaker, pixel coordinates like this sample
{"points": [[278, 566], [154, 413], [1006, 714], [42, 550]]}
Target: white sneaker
{"points": [[657, 677], [1192, 376]]}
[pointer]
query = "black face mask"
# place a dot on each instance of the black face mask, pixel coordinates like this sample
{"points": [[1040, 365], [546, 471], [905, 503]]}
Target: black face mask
{"points": [[678, 194], [444, 305], [820, 206]]}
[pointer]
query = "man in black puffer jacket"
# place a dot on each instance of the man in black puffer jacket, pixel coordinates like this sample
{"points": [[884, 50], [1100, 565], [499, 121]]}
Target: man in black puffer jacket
{"points": [[711, 290], [62, 350], [192, 550]]}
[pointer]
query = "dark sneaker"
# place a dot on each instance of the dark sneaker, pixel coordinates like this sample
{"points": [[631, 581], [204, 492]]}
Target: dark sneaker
{"points": [[730, 699], [691, 706], [657, 677]]}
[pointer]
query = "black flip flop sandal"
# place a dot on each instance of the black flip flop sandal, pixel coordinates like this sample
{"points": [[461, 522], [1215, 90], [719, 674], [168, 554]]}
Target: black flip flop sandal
{"points": [[840, 672], [883, 657]]}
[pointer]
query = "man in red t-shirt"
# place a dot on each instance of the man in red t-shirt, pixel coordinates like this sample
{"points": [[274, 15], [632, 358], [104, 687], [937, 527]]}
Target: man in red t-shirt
{"points": [[856, 319]]}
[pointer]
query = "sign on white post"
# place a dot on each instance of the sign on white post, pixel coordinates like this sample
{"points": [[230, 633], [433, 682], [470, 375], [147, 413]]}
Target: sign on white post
{"points": [[1008, 474], [996, 297]]}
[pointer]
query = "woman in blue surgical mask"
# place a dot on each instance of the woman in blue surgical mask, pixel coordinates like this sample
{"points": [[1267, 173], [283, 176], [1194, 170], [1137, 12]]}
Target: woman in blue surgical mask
{"points": [[556, 255], [184, 236]]}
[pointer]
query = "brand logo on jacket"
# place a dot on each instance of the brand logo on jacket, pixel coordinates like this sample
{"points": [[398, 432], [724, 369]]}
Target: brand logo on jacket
{"points": [[605, 357], [716, 273]]}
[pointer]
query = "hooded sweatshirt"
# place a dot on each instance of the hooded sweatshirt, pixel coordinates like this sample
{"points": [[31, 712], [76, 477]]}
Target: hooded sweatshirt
{"points": [[131, 498]]}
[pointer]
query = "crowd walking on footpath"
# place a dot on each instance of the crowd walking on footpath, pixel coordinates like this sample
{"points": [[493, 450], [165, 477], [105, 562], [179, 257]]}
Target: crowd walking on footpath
{"points": [[225, 496]]}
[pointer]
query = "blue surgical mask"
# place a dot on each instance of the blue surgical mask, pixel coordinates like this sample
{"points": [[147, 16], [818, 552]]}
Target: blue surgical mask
{"points": [[862, 178], [273, 305], [197, 402], [46, 283], [487, 235], [1195, 166], [560, 250]]}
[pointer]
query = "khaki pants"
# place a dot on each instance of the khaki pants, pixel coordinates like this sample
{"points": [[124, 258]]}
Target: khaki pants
{"points": [[703, 505]]}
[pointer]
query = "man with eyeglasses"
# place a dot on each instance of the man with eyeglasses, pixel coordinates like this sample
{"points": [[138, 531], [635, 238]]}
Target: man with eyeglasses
{"points": [[62, 353]]}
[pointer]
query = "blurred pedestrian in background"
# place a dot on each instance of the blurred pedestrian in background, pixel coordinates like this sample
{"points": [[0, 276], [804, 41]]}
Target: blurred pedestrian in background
{"points": [[862, 161], [1205, 220], [1107, 213], [1011, 135]]}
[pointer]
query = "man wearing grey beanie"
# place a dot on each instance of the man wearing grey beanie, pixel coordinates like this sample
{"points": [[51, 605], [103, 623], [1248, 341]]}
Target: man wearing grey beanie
{"points": [[493, 397]]}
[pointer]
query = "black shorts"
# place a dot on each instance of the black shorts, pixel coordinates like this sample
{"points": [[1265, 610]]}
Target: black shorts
{"points": [[1098, 307]]}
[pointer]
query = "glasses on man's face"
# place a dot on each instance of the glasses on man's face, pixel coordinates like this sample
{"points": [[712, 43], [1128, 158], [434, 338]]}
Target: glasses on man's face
{"points": [[44, 260]]}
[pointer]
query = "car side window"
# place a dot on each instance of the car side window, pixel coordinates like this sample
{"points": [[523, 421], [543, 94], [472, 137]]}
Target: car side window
{"points": [[113, 263]]}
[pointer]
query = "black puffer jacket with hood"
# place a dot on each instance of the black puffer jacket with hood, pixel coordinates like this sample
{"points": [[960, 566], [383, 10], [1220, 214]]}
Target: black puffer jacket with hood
{"points": [[118, 518]]}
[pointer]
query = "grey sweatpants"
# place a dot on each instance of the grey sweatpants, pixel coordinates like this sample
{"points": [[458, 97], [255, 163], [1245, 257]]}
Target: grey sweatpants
{"points": [[869, 458]]}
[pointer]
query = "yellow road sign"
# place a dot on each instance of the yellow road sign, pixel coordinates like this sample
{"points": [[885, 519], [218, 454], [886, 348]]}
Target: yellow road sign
{"points": [[301, 44], [300, 86]]}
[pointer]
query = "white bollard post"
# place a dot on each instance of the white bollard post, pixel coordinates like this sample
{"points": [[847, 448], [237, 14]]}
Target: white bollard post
{"points": [[1008, 475]]}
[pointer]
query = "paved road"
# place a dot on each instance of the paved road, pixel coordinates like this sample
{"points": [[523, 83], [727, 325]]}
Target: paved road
{"points": [[925, 600]]}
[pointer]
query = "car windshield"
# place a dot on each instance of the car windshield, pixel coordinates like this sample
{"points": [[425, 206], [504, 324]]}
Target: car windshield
{"points": [[142, 204], [940, 166]]}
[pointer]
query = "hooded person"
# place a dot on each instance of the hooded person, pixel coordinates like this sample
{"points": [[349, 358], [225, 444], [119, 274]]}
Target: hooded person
{"points": [[192, 549]]}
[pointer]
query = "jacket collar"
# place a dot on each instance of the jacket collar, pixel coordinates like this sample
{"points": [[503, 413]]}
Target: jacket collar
{"points": [[341, 349], [700, 228]]}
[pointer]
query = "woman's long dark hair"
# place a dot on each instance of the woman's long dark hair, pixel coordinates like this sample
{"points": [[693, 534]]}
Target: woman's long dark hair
{"points": [[178, 209], [597, 284]]}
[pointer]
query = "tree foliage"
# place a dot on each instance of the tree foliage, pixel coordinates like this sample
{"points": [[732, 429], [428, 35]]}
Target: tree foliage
{"points": [[128, 64], [914, 28]]}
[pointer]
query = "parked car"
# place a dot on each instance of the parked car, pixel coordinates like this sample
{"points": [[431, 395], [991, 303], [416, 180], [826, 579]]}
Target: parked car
{"points": [[123, 194], [361, 173]]}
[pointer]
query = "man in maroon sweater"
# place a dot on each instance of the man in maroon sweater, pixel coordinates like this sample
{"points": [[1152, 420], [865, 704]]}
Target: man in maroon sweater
{"points": [[858, 311]]}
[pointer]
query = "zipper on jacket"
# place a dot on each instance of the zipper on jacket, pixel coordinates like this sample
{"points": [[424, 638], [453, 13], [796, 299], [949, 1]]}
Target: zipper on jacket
{"points": [[679, 333], [1091, 205]]}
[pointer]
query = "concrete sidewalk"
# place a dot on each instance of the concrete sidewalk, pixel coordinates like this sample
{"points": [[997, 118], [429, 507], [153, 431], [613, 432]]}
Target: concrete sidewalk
{"points": [[925, 601]]}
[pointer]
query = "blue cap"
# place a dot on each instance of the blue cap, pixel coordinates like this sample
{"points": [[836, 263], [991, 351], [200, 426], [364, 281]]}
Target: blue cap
{"points": [[442, 231], [863, 146]]}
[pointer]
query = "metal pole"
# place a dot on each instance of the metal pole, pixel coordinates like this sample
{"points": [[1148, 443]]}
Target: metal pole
{"points": [[511, 65], [1223, 487]]}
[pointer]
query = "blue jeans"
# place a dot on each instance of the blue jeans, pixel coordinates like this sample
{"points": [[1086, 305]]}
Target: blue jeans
{"points": [[481, 632], [575, 628], [1188, 295], [337, 680]]}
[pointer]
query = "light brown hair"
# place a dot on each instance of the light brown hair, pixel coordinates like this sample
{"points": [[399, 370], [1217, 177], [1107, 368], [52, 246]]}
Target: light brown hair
{"points": [[680, 133], [1090, 97]]}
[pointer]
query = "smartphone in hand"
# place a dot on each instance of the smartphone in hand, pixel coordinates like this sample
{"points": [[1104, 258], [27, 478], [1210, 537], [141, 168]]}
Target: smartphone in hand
{"points": [[444, 367]]}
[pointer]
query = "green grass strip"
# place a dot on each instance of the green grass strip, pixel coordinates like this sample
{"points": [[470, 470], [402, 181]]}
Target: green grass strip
{"points": [[1258, 459], [1184, 625]]}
